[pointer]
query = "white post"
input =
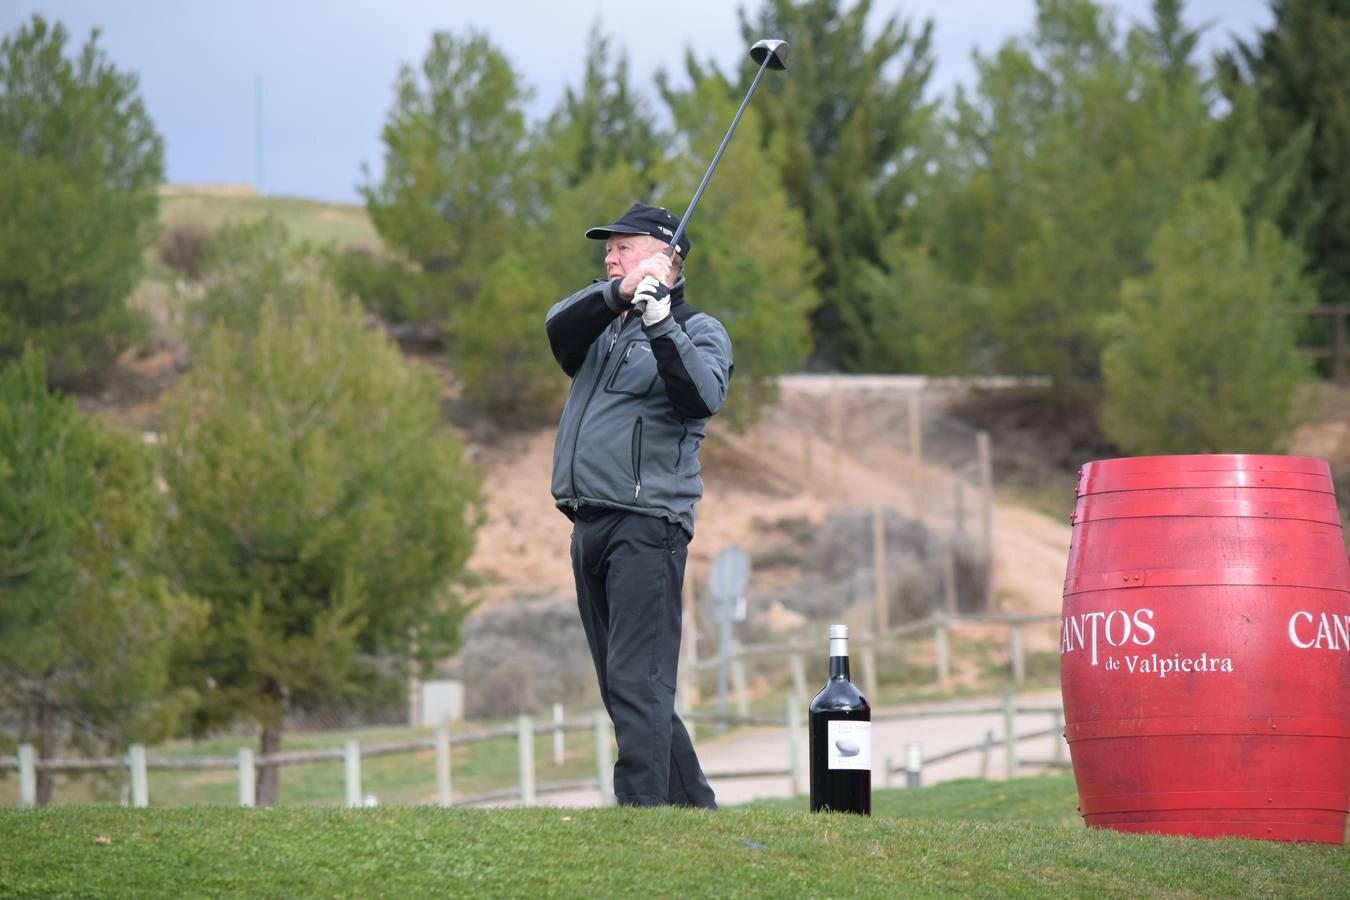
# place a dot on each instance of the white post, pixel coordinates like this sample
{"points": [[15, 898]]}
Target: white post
{"points": [[443, 767], [525, 756], [797, 778], [1009, 726], [140, 788], [913, 765], [886, 778], [351, 758], [248, 791], [604, 763], [27, 777], [558, 750]]}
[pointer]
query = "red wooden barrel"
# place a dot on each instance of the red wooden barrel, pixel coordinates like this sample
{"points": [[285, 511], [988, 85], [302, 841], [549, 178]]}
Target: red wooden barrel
{"points": [[1205, 648]]}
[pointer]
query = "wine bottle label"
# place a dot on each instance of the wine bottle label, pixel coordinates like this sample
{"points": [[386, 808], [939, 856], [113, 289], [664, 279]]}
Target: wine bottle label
{"points": [[850, 744]]}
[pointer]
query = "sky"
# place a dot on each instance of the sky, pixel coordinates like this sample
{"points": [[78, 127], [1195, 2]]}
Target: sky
{"points": [[327, 67]]}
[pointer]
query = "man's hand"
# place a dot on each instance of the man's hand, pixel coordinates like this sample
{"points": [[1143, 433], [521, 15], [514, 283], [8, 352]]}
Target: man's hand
{"points": [[654, 300], [656, 266]]}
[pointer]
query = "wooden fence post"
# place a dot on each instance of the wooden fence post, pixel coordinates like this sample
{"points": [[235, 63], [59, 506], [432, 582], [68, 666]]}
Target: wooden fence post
{"points": [[351, 763], [949, 580], [738, 684], [797, 776], [882, 601], [1019, 662], [525, 756], [798, 675], [443, 797], [27, 777], [913, 765], [916, 452], [836, 433], [140, 787], [1059, 737], [869, 673], [248, 779], [988, 751], [558, 748], [604, 763], [985, 455], [1009, 730], [942, 657], [688, 678]]}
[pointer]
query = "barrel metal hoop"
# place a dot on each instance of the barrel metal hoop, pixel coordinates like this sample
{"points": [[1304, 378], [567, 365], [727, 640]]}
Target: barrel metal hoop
{"points": [[1267, 576], [1100, 804], [1206, 726], [1098, 507], [1111, 482]]}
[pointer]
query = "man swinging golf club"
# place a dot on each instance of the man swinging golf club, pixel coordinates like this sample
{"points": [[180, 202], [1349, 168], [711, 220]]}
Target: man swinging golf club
{"points": [[648, 371]]}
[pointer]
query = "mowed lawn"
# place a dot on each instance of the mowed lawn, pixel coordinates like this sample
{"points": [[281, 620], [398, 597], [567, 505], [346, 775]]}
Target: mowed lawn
{"points": [[962, 838]]}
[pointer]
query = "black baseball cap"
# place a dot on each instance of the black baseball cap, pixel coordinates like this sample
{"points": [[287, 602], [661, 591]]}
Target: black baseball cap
{"points": [[643, 219]]}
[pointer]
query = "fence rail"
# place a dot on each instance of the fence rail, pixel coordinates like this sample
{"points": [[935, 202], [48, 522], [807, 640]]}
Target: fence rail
{"points": [[137, 762]]}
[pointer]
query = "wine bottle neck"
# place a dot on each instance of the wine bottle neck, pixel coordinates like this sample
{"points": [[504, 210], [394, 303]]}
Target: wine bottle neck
{"points": [[839, 667]]}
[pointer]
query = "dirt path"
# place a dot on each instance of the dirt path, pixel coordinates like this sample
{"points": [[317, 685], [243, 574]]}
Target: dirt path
{"points": [[964, 725]]}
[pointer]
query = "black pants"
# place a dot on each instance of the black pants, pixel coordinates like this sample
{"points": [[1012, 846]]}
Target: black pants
{"points": [[629, 571]]}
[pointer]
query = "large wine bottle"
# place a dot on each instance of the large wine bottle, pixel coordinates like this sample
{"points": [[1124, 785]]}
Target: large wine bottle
{"points": [[841, 738]]}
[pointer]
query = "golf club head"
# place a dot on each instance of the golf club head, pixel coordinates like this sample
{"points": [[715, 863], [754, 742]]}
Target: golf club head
{"points": [[778, 53]]}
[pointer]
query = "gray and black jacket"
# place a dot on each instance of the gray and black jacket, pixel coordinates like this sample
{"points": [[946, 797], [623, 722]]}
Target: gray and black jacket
{"points": [[639, 403]]}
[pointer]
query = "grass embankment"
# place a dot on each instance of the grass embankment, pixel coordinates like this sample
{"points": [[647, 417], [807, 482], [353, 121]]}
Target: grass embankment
{"points": [[956, 838], [311, 220]]}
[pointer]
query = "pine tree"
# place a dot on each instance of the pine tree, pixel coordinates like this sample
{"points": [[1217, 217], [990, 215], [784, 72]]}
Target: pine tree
{"points": [[322, 509], [80, 162], [855, 136], [455, 185], [1201, 357], [87, 623]]}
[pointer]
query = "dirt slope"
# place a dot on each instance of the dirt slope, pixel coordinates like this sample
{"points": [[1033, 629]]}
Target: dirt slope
{"points": [[785, 468]]}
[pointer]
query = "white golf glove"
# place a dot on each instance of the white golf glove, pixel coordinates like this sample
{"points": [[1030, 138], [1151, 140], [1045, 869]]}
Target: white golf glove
{"points": [[653, 298]]}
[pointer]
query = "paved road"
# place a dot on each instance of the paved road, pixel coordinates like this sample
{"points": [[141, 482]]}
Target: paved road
{"points": [[960, 724]]}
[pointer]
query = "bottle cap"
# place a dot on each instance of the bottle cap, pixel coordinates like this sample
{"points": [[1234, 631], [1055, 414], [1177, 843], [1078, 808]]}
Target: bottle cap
{"points": [[838, 631]]}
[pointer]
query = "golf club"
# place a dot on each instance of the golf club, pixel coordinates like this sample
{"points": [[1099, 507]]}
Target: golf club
{"points": [[770, 54]]}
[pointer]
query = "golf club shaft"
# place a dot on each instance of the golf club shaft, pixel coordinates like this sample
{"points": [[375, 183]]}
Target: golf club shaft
{"points": [[726, 139]]}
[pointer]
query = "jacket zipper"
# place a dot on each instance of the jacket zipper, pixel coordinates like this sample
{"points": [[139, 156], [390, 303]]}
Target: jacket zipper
{"points": [[637, 457], [576, 438]]}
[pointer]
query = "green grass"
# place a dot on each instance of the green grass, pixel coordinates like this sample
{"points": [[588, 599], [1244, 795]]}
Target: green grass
{"points": [[310, 220], [955, 839]]}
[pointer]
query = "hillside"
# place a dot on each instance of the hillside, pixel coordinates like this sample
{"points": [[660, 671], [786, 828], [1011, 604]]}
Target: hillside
{"points": [[830, 445]]}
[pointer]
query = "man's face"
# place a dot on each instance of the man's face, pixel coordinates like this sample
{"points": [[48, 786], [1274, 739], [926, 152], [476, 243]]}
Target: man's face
{"points": [[624, 251]]}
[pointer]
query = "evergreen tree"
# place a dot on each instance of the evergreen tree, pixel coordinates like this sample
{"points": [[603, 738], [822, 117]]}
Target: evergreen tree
{"points": [[323, 510], [1298, 71], [1201, 358], [87, 623], [80, 162], [455, 186], [1070, 154], [855, 134], [603, 125]]}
